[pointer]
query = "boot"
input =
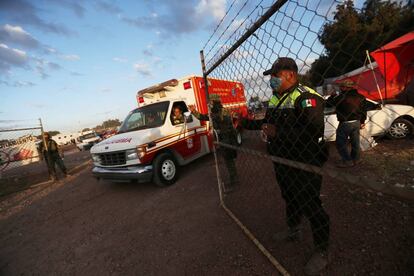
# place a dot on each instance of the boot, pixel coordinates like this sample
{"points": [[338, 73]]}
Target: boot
{"points": [[290, 235], [344, 164], [317, 263]]}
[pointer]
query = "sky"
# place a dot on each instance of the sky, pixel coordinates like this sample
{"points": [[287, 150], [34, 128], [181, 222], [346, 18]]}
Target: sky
{"points": [[75, 64]]}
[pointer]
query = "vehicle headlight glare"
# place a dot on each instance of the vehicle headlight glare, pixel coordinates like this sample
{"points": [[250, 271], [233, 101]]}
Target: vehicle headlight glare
{"points": [[131, 155], [95, 158]]}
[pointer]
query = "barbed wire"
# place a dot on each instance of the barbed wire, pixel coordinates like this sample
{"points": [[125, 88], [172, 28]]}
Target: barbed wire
{"points": [[219, 24]]}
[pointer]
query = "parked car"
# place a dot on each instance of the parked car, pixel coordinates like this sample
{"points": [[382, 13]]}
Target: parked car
{"points": [[87, 139], [394, 120]]}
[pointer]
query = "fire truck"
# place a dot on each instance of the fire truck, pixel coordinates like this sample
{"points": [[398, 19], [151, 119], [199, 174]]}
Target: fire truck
{"points": [[151, 146]]}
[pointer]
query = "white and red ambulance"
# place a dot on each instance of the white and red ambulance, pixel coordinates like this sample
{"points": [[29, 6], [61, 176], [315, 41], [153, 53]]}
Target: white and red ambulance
{"points": [[151, 146]]}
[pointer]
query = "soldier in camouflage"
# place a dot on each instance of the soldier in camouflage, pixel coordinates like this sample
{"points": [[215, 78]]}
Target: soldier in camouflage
{"points": [[222, 123], [51, 156]]}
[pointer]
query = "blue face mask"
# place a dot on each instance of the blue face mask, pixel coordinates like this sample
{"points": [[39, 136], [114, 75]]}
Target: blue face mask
{"points": [[275, 83]]}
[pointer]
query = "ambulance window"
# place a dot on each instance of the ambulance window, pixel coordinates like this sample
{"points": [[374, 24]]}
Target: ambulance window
{"points": [[177, 113]]}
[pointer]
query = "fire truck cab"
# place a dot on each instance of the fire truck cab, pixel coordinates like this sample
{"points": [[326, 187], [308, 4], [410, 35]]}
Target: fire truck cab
{"points": [[152, 144]]}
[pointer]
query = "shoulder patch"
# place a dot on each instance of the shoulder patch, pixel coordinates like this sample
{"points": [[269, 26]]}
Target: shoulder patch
{"points": [[308, 103]]}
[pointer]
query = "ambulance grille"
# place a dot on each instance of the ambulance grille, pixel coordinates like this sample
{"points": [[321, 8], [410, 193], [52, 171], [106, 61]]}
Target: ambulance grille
{"points": [[113, 159]]}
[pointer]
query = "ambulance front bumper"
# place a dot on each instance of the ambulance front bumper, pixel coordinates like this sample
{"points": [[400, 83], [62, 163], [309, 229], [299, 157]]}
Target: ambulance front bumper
{"points": [[139, 173]]}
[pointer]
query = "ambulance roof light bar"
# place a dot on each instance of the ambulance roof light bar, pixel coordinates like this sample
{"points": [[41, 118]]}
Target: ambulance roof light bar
{"points": [[158, 87]]}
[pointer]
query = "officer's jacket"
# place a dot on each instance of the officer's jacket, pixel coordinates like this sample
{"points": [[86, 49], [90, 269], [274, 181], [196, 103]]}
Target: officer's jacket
{"points": [[299, 123]]}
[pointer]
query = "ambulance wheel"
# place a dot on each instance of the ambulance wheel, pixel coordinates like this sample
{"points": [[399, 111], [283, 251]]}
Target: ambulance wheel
{"points": [[165, 170], [239, 138]]}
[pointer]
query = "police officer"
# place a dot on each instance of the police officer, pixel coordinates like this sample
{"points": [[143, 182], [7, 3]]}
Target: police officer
{"points": [[294, 126], [222, 123], [51, 155]]}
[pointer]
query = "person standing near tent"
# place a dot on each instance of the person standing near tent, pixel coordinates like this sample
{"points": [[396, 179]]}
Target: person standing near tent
{"points": [[351, 113], [51, 155]]}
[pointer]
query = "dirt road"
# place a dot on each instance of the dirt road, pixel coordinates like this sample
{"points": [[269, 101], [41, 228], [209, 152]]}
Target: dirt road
{"points": [[85, 227]]}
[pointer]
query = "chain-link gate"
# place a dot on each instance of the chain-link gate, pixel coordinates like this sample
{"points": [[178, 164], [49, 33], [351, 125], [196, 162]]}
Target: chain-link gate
{"points": [[19, 148], [299, 156]]}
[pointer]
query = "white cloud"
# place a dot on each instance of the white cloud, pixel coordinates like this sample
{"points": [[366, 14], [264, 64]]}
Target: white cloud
{"points": [[17, 35], [142, 69], [51, 50], [10, 57], [70, 57], [178, 17], [120, 59], [106, 90], [18, 83], [216, 8]]}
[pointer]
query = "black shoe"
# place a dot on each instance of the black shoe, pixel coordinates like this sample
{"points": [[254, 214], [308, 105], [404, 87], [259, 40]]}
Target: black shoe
{"points": [[317, 263], [357, 162], [291, 234], [344, 164]]}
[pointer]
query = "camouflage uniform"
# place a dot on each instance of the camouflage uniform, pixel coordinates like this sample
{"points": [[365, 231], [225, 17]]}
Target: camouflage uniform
{"points": [[51, 156], [223, 124]]}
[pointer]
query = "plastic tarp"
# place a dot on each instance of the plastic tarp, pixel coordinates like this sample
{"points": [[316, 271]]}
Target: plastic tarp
{"points": [[393, 70]]}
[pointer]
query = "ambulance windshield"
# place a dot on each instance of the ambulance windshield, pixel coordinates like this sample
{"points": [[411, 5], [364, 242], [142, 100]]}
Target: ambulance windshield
{"points": [[149, 116]]}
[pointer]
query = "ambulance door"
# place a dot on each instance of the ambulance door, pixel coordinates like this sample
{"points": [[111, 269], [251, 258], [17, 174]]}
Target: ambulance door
{"points": [[187, 130]]}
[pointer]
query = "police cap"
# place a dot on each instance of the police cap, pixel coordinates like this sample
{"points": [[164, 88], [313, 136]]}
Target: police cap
{"points": [[282, 63]]}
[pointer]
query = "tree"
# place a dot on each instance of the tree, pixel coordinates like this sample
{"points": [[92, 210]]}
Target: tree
{"points": [[352, 32], [53, 132], [111, 123]]}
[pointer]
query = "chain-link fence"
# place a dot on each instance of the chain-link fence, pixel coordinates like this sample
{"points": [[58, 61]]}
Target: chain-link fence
{"points": [[326, 140], [19, 148]]}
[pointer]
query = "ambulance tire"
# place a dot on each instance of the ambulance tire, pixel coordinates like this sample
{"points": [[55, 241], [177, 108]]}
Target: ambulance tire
{"points": [[165, 170]]}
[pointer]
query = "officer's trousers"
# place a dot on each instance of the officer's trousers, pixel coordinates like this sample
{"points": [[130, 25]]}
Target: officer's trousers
{"points": [[301, 191]]}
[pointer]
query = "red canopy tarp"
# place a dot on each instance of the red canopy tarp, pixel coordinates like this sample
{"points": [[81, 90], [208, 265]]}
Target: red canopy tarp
{"points": [[396, 56], [394, 69]]}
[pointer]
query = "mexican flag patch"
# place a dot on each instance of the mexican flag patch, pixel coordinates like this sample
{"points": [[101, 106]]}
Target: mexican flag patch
{"points": [[308, 103]]}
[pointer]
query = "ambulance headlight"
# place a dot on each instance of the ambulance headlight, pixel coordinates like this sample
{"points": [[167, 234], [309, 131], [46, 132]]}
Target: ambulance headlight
{"points": [[96, 158], [131, 154]]}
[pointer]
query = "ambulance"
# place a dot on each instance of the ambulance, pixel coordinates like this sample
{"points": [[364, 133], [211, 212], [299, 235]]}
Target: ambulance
{"points": [[151, 146]]}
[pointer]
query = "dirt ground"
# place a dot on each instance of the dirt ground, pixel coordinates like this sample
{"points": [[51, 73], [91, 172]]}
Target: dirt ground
{"points": [[85, 227], [371, 233], [20, 178], [81, 226]]}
